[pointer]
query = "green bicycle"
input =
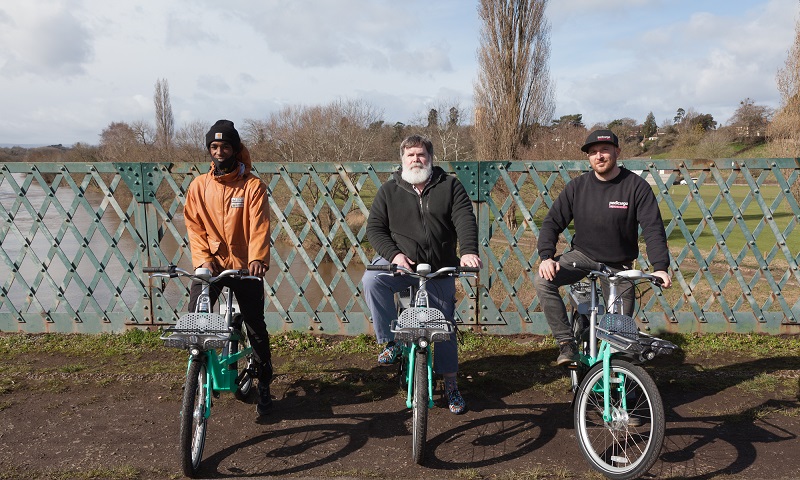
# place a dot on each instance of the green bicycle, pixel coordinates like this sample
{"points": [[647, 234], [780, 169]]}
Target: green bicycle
{"points": [[208, 373], [417, 328], [618, 411]]}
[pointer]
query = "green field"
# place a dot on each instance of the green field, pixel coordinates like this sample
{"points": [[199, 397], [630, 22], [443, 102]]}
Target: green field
{"points": [[737, 235]]}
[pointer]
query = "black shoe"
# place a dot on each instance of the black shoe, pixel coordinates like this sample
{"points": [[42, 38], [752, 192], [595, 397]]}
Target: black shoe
{"points": [[567, 353], [264, 406]]}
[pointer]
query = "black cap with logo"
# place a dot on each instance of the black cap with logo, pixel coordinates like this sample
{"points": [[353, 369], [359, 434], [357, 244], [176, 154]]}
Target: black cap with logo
{"points": [[600, 136]]}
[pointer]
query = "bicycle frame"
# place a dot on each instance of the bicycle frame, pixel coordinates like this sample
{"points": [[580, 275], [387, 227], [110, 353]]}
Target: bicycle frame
{"points": [[203, 332], [420, 300], [612, 343]]}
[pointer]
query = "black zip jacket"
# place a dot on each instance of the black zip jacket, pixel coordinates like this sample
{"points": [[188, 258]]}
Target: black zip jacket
{"points": [[607, 216], [425, 228]]}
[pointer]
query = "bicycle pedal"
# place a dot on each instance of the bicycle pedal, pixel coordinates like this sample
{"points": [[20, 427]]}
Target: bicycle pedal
{"points": [[572, 366]]}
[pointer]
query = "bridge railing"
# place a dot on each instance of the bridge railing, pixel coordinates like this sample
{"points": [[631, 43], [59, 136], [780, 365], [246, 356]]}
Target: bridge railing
{"points": [[74, 236]]}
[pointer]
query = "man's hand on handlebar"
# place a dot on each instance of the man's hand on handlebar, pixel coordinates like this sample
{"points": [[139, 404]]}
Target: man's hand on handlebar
{"points": [[471, 260], [548, 269], [402, 261], [666, 279], [213, 266], [258, 268]]}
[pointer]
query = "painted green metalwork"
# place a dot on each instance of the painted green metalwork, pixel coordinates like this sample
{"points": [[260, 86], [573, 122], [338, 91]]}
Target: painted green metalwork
{"points": [[73, 239]]}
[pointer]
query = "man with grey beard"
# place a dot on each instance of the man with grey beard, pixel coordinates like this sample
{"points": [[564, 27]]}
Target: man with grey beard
{"points": [[420, 215]]}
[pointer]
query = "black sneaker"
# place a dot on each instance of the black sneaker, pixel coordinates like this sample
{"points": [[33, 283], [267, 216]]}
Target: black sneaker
{"points": [[264, 406], [567, 353]]}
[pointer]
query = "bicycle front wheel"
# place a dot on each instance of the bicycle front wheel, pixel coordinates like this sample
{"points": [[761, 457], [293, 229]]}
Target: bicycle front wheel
{"points": [[193, 421], [628, 443], [420, 406]]}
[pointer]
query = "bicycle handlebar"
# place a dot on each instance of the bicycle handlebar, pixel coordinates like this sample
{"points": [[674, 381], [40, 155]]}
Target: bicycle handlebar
{"points": [[603, 270], [442, 271], [160, 269], [173, 271]]}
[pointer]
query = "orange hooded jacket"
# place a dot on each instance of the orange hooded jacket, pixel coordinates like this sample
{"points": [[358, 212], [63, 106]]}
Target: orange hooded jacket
{"points": [[227, 217]]}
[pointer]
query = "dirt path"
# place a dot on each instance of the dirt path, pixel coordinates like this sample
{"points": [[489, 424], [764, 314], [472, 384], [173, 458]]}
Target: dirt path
{"points": [[723, 420]]}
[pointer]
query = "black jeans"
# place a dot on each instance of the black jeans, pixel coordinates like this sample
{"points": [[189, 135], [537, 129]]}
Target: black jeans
{"points": [[250, 295], [573, 266]]}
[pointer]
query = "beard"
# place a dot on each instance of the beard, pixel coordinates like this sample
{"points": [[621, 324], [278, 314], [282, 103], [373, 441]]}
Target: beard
{"points": [[416, 175]]}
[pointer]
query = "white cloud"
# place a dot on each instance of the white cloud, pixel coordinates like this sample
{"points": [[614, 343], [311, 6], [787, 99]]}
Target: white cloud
{"points": [[75, 66], [43, 38]]}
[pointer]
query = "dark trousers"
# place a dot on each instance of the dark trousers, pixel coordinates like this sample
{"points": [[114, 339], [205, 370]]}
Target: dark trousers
{"points": [[250, 295], [574, 266]]}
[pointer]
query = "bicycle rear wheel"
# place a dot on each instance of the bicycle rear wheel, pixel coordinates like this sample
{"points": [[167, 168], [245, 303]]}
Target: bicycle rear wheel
{"points": [[629, 444], [246, 365], [420, 406], [193, 421]]}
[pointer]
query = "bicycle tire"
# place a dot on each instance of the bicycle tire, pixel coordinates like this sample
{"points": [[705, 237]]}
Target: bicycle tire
{"points": [[618, 449], [193, 421], [245, 364], [420, 407]]}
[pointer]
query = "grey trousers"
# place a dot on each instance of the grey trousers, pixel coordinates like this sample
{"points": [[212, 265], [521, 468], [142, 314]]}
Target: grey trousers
{"points": [[379, 293], [574, 266]]}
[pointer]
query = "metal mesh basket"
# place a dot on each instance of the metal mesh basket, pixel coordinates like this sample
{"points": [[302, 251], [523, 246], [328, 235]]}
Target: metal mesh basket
{"points": [[620, 324], [418, 322], [206, 330], [202, 323]]}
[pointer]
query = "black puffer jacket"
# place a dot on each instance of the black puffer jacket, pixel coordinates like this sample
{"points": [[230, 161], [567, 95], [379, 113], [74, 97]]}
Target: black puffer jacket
{"points": [[425, 228]]}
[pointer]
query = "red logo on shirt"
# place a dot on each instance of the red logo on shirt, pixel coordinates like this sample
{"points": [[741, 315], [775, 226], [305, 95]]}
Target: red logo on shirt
{"points": [[618, 204]]}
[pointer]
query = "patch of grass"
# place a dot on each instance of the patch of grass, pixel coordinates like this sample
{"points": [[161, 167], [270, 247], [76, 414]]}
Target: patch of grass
{"points": [[73, 368], [747, 345], [74, 344], [471, 342], [468, 474], [761, 383], [294, 343], [537, 472], [353, 473], [102, 473], [362, 343]]}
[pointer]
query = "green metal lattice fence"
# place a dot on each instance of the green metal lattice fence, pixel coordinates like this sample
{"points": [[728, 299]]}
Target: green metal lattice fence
{"points": [[74, 237]]}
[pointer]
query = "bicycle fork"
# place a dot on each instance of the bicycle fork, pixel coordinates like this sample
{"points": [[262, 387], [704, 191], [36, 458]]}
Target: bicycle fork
{"points": [[205, 385], [412, 359]]}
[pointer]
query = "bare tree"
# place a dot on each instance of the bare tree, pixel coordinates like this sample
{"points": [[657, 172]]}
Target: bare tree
{"points": [[342, 131], [750, 121], [190, 142], [120, 142], [513, 94], [784, 131], [144, 132], [116, 142], [165, 122], [445, 127]]}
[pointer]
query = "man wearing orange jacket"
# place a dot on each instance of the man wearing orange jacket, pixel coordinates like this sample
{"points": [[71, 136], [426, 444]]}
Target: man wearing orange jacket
{"points": [[227, 220]]}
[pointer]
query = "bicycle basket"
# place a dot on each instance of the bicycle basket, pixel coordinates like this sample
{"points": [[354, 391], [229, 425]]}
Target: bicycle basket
{"points": [[208, 330], [620, 325], [418, 322]]}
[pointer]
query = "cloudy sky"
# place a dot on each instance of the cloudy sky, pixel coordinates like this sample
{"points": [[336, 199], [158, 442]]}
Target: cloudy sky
{"points": [[68, 68]]}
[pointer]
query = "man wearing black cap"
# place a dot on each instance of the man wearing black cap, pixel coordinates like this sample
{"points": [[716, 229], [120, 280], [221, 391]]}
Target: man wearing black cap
{"points": [[606, 206], [227, 221]]}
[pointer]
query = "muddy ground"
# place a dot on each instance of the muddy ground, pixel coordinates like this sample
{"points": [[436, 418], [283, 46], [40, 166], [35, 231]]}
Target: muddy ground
{"points": [[87, 417]]}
